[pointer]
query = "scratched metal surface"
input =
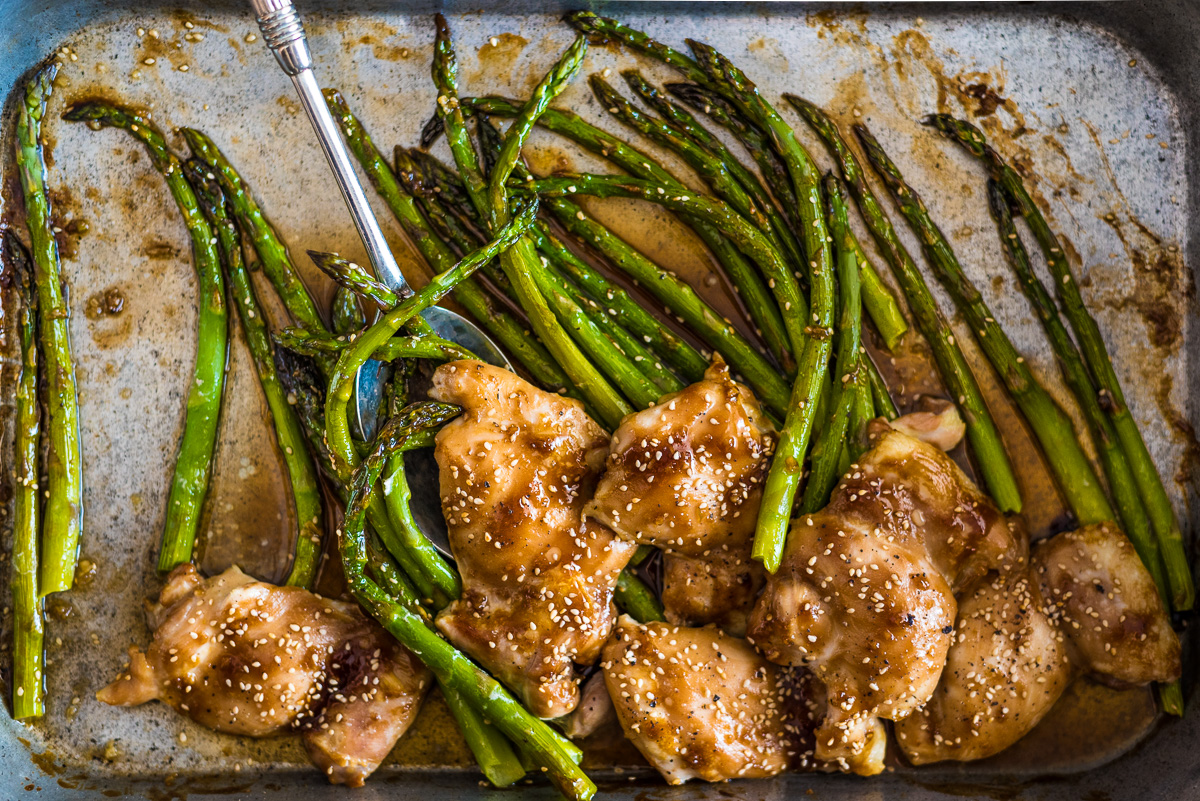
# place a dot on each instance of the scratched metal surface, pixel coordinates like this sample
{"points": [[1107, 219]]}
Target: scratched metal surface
{"points": [[1098, 106]]}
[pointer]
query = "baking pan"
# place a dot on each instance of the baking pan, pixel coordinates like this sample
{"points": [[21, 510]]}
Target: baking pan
{"points": [[1099, 98]]}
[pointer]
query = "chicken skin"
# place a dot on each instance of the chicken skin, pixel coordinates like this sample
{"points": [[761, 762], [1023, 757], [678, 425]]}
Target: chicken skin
{"points": [[515, 470], [865, 594], [700, 704], [686, 476], [244, 657], [1087, 605]]}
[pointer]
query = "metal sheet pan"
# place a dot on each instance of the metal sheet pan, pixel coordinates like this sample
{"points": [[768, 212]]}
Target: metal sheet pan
{"points": [[1099, 98]]}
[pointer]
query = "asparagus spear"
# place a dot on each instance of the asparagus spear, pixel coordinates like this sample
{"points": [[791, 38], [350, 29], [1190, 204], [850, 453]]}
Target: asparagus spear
{"points": [[28, 680], [64, 490], [641, 165], [636, 599], [878, 301], [521, 263], [616, 300], [682, 301], [1095, 354], [272, 252], [717, 176], [347, 314], [1049, 422], [306, 495], [511, 333], [452, 669], [341, 385], [400, 347], [625, 312], [193, 465], [1116, 467], [691, 127], [952, 365], [823, 473], [781, 279]]}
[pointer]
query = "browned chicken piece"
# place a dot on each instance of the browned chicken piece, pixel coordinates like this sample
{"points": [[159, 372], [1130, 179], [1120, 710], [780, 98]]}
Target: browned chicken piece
{"points": [[700, 704], [594, 711], [245, 657], [686, 476], [865, 594], [515, 469], [1088, 605], [1094, 586], [1006, 669]]}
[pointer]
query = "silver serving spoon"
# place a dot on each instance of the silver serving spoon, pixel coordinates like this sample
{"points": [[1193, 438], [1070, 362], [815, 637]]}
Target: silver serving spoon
{"points": [[284, 35]]}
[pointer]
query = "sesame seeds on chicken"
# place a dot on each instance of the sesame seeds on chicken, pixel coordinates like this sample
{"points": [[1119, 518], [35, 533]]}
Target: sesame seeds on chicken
{"points": [[516, 468], [865, 594], [686, 476], [700, 704], [244, 657]]}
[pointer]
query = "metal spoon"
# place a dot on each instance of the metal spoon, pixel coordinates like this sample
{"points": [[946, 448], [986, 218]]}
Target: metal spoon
{"points": [[284, 35]]}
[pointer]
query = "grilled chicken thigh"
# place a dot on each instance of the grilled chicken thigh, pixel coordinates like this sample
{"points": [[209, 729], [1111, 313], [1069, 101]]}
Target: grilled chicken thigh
{"points": [[515, 469], [865, 594], [686, 476], [1006, 669], [244, 657], [700, 704], [1087, 605], [1094, 586]]}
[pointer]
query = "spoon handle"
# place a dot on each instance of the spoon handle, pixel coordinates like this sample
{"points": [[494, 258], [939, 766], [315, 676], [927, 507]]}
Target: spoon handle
{"points": [[284, 35]]}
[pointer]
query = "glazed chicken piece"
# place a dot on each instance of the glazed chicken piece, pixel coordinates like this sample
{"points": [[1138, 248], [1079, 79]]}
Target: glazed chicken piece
{"points": [[1006, 669], [515, 469], [244, 657], [700, 704], [865, 594], [686, 476], [1088, 605], [1094, 586]]}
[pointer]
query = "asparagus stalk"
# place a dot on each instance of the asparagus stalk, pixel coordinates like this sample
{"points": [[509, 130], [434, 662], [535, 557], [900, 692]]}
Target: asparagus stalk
{"points": [[193, 465], [691, 127], [306, 494], [1116, 467], [272, 252], [521, 263], [823, 473], [641, 165], [682, 301], [1049, 422], [1095, 354], [714, 173], [878, 301], [346, 315], [510, 333], [952, 365], [400, 347], [452, 669], [608, 295], [625, 312], [63, 519], [636, 599], [781, 279], [28, 679]]}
